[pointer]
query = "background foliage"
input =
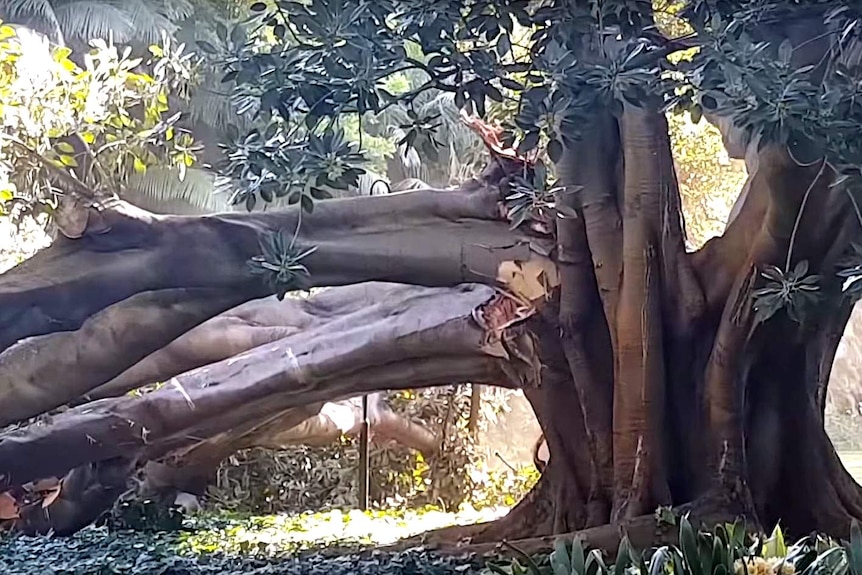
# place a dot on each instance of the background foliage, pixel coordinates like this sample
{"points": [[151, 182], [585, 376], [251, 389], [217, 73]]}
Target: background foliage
{"points": [[264, 481]]}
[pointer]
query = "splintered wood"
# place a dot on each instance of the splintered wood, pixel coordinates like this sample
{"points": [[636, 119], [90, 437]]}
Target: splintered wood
{"points": [[532, 280]]}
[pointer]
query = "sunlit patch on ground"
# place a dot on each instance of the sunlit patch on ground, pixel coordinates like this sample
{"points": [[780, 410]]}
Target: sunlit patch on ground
{"points": [[274, 544], [278, 534]]}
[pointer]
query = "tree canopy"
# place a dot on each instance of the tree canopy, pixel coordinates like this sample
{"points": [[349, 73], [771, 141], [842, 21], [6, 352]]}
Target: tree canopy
{"points": [[85, 128], [545, 70]]}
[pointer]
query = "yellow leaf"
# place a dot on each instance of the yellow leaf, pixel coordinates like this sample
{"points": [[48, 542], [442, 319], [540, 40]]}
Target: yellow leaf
{"points": [[65, 147], [140, 166], [67, 160]]}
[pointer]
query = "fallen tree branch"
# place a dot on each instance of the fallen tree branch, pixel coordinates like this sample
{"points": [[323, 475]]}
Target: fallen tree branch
{"points": [[424, 237], [42, 373], [414, 337], [240, 329]]}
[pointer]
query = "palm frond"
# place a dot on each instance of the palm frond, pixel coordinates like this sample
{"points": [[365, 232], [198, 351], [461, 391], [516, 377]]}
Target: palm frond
{"points": [[37, 15], [126, 21], [210, 105], [178, 10], [160, 189], [84, 20], [147, 18]]}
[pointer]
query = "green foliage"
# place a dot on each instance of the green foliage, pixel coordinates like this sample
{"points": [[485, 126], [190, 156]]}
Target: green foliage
{"points": [[299, 478], [280, 264], [76, 23], [529, 197], [143, 515], [68, 129], [269, 545], [310, 64], [794, 291], [276, 535], [727, 549]]}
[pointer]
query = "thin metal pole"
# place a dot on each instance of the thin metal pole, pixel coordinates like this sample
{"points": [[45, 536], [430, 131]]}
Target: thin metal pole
{"points": [[363, 456]]}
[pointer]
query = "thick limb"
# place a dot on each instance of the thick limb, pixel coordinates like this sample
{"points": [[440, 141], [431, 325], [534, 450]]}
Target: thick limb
{"points": [[425, 237], [45, 372], [242, 328], [424, 337]]}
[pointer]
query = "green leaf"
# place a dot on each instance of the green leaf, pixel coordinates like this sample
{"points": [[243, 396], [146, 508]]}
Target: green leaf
{"points": [[785, 50], [69, 161], [624, 556], [560, 561], [775, 546], [855, 555], [65, 147], [690, 551], [659, 560], [307, 204], [207, 47], [555, 150], [530, 141], [579, 564]]}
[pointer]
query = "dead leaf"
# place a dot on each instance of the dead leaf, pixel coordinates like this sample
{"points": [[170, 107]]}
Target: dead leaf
{"points": [[532, 280], [50, 497], [47, 484], [8, 507]]}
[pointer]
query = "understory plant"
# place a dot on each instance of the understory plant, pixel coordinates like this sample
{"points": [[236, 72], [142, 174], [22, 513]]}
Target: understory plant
{"points": [[728, 549], [301, 478]]}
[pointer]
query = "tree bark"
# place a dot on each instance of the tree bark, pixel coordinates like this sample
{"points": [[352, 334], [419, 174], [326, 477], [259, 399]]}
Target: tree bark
{"points": [[443, 336], [439, 239]]}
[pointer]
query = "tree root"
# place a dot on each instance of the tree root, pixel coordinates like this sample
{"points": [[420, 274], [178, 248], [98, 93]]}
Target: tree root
{"points": [[644, 532]]}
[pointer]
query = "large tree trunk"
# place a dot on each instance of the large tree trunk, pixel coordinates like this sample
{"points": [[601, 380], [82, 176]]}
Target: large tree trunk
{"points": [[656, 386]]}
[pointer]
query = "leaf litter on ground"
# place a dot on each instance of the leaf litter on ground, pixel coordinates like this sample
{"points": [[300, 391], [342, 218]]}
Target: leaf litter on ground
{"points": [[233, 545]]}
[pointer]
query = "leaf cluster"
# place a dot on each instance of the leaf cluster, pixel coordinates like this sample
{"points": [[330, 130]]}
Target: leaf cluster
{"points": [[727, 549], [209, 548], [85, 129], [262, 481], [305, 66], [308, 65], [795, 292], [280, 263]]}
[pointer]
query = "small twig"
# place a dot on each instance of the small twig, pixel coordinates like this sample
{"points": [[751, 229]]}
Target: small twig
{"points": [[855, 206], [799, 214], [77, 185], [499, 456]]}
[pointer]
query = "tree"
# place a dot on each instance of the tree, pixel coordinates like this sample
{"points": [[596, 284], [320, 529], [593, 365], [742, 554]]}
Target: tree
{"points": [[70, 129], [661, 377], [139, 25]]}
